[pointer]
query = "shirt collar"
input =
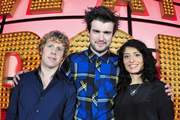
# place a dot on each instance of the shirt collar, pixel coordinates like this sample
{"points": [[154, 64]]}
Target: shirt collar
{"points": [[57, 73], [92, 56]]}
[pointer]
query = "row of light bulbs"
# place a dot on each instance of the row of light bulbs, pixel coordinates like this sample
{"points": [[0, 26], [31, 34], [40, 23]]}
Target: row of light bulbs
{"points": [[4, 97], [19, 34], [167, 9], [137, 4], [35, 4], [169, 53], [6, 6]]}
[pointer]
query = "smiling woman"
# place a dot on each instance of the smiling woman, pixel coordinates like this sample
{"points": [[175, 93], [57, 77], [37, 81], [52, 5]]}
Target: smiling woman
{"points": [[133, 60], [141, 95]]}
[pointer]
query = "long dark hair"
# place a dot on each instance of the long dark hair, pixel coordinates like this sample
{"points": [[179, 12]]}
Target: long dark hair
{"points": [[149, 71]]}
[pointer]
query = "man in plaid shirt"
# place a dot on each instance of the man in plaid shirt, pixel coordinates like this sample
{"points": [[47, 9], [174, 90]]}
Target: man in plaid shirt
{"points": [[95, 71]]}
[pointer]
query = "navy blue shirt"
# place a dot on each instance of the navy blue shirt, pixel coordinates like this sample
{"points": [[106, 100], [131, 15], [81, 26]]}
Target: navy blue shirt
{"points": [[28, 100]]}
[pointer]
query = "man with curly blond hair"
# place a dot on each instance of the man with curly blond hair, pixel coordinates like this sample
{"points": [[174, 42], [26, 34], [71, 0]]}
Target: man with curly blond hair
{"points": [[45, 93]]}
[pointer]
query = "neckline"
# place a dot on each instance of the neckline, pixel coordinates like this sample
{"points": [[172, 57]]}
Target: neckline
{"points": [[133, 89], [135, 84]]}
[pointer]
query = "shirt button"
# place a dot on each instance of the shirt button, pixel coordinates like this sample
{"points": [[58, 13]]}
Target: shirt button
{"points": [[41, 98], [37, 111]]}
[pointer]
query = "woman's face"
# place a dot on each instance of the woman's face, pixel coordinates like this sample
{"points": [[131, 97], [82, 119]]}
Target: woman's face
{"points": [[133, 60]]}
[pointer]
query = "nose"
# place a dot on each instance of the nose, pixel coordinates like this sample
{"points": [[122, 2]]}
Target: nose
{"points": [[101, 37], [131, 59], [53, 51]]}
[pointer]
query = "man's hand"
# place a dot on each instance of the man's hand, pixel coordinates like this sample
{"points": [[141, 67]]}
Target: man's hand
{"points": [[16, 77], [168, 90]]}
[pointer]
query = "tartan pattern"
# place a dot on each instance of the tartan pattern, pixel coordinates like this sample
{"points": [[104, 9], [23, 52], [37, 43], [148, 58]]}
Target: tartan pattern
{"points": [[98, 63], [95, 89]]}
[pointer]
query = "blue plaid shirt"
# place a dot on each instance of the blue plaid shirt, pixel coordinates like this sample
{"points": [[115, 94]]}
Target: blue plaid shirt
{"points": [[95, 89]]}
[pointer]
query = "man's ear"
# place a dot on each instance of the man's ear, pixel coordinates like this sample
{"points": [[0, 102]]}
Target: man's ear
{"points": [[40, 53]]}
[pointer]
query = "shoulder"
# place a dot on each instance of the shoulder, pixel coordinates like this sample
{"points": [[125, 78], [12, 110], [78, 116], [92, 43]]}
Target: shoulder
{"points": [[159, 84], [114, 58], [27, 74], [77, 57], [159, 91], [26, 77], [159, 87], [67, 83]]}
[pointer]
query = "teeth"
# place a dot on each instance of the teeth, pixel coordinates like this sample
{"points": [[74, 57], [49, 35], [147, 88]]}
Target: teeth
{"points": [[52, 58], [133, 65]]}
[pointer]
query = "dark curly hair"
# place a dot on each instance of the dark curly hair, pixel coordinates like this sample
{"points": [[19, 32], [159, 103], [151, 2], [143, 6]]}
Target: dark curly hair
{"points": [[100, 13], [149, 71]]}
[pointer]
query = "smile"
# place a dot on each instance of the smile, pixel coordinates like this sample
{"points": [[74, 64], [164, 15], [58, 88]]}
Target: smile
{"points": [[52, 58], [100, 43], [133, 66]]}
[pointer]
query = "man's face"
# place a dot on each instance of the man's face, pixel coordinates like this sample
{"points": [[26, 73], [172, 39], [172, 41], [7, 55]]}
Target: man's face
{"points": [[101, 35], [52, 54]]}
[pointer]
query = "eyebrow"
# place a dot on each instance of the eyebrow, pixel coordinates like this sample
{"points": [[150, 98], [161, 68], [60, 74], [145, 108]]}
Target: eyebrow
{"points": [[136, 52], [133, 53], [107, 32], [103, 31], [95, 30]]}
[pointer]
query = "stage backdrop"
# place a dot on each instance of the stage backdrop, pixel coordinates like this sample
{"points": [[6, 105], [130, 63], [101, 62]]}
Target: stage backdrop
{"points": [[23, 23]]}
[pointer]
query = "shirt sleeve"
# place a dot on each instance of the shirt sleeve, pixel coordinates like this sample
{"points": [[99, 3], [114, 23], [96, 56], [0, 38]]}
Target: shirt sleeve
{"points": [[12, 112], [69, 110], [65, 68], [166, 106]]}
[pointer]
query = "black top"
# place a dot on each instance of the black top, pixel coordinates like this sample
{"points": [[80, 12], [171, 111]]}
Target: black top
{"points": [[150, 103]]}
